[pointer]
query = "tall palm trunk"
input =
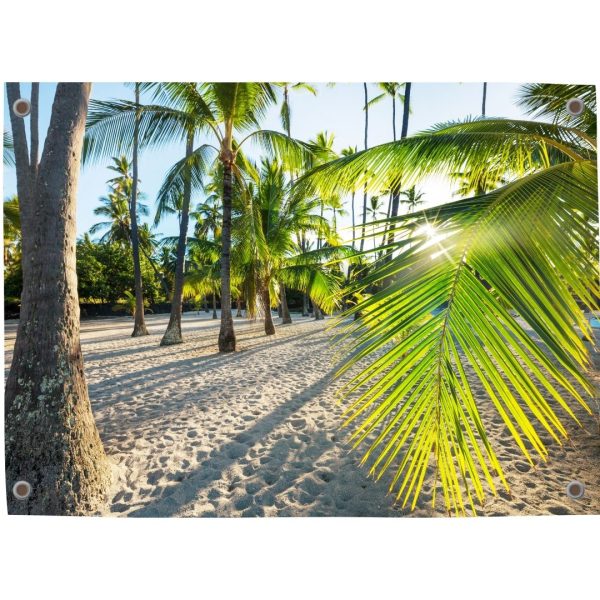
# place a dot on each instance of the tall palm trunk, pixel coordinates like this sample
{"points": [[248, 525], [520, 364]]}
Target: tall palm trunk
{"points": [[266, 302], [364, 215], [484, 99], [394, 199], [51, 440], [353, 223], [239, 307], [286, 318], [139, 325], [403, 134], [214, 306], [173, 333], [227, 333]]}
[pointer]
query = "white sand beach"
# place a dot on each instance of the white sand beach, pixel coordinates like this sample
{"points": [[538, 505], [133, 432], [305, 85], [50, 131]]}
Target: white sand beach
{"points": [[190, 432]]}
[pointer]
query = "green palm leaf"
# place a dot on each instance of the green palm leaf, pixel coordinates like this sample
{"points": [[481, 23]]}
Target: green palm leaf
{"points": [[455, 315], [473, 145], [8, 150]]}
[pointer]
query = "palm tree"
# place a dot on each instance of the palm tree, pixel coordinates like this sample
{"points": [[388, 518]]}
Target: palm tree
{"points": [[403, 133], [375, 212], [51, 438], [470, 266], [286, 122], [118, 125], [228, 109], [349, 152], [139, 325], [484, 98], [115, 206], [412, 199], [364, 213], [267, 230]]}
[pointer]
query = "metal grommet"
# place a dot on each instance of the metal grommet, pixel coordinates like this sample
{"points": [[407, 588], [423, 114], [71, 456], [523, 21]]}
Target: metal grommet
{"points": [[21, 490], [21, 107], [575, 489], [575, 106]]}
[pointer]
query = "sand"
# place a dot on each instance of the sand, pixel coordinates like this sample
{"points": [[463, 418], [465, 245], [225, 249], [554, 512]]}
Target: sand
{"points": [[190, 432]]}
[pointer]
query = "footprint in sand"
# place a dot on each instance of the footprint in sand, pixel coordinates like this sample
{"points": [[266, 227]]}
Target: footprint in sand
{"points": [[155, 476]]}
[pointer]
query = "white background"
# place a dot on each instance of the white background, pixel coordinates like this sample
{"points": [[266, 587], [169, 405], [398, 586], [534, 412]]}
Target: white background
{"points": [[312, 40]]}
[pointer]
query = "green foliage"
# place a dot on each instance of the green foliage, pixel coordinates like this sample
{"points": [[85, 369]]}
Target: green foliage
{"points": [[453, 306], [105, 272]]}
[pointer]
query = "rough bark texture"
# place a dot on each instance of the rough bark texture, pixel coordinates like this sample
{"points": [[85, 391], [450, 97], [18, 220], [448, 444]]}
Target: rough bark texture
{"points": [[173, 333], [286, 318], [226, 333], [266, 302], [139, 325], [51, 439]]}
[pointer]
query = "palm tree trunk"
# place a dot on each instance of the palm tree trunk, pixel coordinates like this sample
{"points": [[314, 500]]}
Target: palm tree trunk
{"points": [[286, 317], [173, 333], [318, 312], [239, 307], [51, 440], [364, 215], [214, 306], [395, 192], [227, 333], [304, 305], [403, 134], [353, 223], [484, 99], [139, 325], [266, 302]]}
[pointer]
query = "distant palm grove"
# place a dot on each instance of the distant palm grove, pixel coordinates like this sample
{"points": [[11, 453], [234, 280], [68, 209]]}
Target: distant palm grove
{"points": [[434, 304]]}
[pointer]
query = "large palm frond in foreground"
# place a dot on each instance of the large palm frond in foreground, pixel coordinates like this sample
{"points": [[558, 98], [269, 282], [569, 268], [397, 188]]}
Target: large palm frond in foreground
{"points": [[448, 320], [453, 308]]}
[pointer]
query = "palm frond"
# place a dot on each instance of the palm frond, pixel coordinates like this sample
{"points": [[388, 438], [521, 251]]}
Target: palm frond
{"points": [[473, 145], [8, 150], [452, 314], [171, 191]]}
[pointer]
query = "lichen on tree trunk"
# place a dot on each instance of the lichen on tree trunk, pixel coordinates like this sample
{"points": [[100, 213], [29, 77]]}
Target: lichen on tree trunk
{"points": [[51, 440]]}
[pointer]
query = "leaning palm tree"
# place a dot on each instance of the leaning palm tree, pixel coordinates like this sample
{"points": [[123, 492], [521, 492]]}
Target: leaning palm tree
{"points": [[468, 283]]}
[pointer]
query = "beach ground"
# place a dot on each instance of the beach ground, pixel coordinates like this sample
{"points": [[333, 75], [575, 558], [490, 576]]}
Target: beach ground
{"points": [[190, 432]]}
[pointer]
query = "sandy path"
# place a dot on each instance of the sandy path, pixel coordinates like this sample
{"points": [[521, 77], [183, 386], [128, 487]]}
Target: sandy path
{"points": [[192, 433]]}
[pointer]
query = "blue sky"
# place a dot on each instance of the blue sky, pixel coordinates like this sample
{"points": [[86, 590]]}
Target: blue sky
{"points": [[336, 109]]}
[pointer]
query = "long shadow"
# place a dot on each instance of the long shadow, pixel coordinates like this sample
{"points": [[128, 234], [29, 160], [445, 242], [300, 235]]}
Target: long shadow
{"points": [[161, 378], [187, 490], [204, 362]]}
